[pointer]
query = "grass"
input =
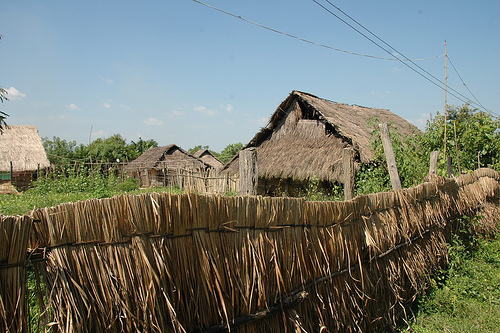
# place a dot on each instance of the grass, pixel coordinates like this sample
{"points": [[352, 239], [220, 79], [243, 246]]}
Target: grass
{"points": [[50, 192], [466, 297]]}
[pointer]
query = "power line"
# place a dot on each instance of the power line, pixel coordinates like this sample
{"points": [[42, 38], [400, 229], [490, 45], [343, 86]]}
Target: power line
{"points": [[392, 48], [303, 39], [464, 83]]}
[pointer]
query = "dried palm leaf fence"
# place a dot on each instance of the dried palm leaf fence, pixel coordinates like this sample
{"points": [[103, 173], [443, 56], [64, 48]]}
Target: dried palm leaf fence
{"points": [[194, 263]]}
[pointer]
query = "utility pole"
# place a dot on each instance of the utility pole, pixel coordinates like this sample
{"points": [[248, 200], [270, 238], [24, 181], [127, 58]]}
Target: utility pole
{"points": [[445, 97]]}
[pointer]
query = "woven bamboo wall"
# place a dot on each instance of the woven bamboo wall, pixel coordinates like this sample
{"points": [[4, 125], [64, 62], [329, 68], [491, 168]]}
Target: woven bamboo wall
{"points": [[14, 235]]}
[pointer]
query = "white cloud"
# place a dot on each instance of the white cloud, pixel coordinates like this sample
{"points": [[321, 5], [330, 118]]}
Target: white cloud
{"points": [[60, 117], [123, 106], [176, 113], [106, 105], [14, 94], [99, 134], [107, 80], [422, 121], [229, 108], [73, 107], [203, 110], [153, 122]]}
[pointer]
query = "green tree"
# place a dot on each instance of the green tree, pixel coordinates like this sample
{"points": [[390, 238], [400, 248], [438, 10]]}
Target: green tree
{"points": [[108, 150], [62, 152], [229, 152], [136, 149], [472, 138], [196, 148]]}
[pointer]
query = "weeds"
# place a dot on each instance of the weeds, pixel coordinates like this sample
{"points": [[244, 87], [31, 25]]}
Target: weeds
{"points": [[466, 296]]}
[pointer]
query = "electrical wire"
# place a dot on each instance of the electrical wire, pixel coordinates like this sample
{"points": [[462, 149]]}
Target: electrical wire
{"points": [[403, 59], [465, 98], [303, 39], [463, 82]]}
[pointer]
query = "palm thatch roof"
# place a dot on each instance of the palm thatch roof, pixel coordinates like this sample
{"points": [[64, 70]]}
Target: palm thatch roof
{"points": [[306, 134], [171, 156], [206, 156], [21, 145]]}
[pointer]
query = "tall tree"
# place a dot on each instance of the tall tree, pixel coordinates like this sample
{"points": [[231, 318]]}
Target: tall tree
{"points": [[139, 147]]}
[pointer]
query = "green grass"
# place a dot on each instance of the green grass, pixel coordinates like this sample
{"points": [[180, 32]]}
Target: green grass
{"points": [[466, 297], [51, 192]]}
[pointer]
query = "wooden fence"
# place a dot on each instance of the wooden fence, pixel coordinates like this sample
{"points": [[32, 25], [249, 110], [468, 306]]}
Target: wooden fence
{"points": [[195, 263]]}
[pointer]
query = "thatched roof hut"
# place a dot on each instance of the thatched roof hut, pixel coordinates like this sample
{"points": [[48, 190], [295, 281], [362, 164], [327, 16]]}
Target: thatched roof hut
{"points": [[157, 166], [21, 147], [206, 156], [306, 134], [21, 156], [171, 156]]}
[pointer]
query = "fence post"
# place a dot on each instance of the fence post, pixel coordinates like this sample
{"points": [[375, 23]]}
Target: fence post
{"points": [[248, 171], [434, 162], [349, 172], [389, 155]]}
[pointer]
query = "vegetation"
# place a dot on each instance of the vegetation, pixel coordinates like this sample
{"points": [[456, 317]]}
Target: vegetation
{"points": [[472, 140], [229, 152], [70, 186], [111, 150], [466, 296]]}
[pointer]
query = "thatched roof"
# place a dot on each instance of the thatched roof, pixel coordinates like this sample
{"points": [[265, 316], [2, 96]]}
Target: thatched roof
{"points": [[21, 145], [306, 134], [171, 156], [206, 156]]}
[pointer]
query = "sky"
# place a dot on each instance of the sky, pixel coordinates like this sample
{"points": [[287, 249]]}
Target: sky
{"points": [[184, 73]]}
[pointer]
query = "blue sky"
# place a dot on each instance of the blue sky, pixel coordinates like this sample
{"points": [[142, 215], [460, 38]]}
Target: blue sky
{"points": [[180, 72]]}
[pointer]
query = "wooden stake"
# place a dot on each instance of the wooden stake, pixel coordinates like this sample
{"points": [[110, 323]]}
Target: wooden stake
{"points": [[434, 162], [349, 172], [248, 171], [389, 155]]}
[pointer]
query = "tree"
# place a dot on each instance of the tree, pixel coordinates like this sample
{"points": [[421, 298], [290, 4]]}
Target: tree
{"points": [[60, 151], [229, 152], [472, 137], [112, 149], [196, 148], [139, 147]]}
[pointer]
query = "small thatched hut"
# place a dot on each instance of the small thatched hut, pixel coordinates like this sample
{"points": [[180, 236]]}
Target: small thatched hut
{"points": [[206, 156], [304, 140], [21, 155], [157, 166]]}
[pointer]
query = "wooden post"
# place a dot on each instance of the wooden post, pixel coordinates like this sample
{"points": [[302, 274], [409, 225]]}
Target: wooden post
{"points": [[147, 177], [348, 166], [248, 171], [434, 162], [389, 155]]}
